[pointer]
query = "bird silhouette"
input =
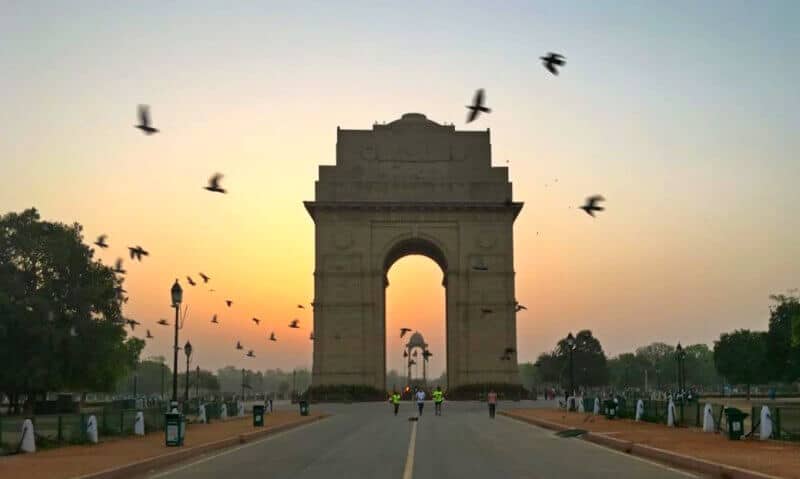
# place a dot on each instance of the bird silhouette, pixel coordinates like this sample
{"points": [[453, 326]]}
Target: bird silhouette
{"points": [[213, 184], [101, 241], [149, 336], [294, 324], [426, 354], [190, 281], [228, 302], [411, 362], [272, 337], [311, 336], [204, 277], [300, 306], [505, 357], [591, 205], [118, 267], [144, 120], [239, 345], [214, 319], [212, 290], [132, 323], [480, 267], [403, 331], [518, 307], [552, 61], [162, 322], [137, 252], [486, 311], [510, 351], [256, 320], [477, 106], [250, 354]]}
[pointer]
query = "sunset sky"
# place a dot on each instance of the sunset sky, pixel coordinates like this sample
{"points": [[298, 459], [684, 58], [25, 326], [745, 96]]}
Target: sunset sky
{"points": [[684, 115]]}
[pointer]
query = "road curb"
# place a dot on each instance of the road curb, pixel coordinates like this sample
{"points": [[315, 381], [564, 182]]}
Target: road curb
{"points": [[670, 458], [147, 465]]}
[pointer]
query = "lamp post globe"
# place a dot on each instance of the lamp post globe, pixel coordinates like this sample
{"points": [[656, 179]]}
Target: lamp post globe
{"points": [[177, 294]]}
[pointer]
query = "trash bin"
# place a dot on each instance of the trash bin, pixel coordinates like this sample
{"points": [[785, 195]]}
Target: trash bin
{"points": [[258, 415], [610, 407], [174, 429], [735, 419], [303, 407]]}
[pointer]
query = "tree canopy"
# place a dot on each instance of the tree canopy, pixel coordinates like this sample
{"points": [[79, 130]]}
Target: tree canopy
{"points": [[61, 324], [589, 362], [740, 356]]}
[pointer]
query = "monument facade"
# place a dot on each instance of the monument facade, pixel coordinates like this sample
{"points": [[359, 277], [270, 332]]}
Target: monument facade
{"points": [[413, 186]]}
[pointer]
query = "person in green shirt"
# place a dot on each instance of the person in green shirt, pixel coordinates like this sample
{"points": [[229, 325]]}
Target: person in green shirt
{"points": [[438, 398], [395, 398]]}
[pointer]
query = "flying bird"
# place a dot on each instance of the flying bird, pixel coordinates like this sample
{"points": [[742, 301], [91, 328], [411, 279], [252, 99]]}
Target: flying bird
{"points": [[295, 324], [228, 302], [411, 362], [518, 307], [213, 184], [190, 281], [591, 205], [101, 241], [477, 106], [272, 337], [118, 267], [250, 354], [239, 345], [132, 323], [553, 60], [426, 354], [486, 311], [480, 267], [137, 252], [505, 357], [403, 331], [204, 277], [256, 320], [144, 120], [214, 319], [300, 306], [510, 351], [162, 322], [149, 336]]}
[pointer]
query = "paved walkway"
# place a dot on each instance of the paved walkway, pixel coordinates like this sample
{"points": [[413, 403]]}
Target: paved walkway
{"points": [[367, 441], [777, 458], [73, 461]]}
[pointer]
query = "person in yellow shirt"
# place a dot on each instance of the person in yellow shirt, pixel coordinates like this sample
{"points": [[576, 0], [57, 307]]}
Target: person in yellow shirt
{"points": [[395, 398], [438, 398]]}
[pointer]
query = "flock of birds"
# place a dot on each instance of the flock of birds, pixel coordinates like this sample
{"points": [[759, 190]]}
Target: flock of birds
{"points": [[552, 62]]}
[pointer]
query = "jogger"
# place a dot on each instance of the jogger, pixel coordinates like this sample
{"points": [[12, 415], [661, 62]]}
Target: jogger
{"points": [[491, 398], [420, 400]]}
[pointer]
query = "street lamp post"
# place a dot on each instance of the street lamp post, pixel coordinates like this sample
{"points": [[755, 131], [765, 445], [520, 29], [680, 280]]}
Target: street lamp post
{"points": [[680, 354], [177, 297], [187, 348], [571, 345], [242, 384], [197, 385]]}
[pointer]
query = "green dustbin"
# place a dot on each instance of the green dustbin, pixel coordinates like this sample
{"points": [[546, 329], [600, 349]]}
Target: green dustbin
{"points": [[610, 407], [303, 407], [258, 415], [174, 429], [735, 419]]}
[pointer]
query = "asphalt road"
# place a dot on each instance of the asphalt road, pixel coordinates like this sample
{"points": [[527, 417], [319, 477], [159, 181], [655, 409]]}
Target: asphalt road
{"points": [[367, 441]]}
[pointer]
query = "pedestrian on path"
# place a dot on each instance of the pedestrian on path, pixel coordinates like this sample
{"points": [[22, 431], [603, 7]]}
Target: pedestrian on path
{"points": [[420, 400], [438, 398], [395, 401], [491, 398]]}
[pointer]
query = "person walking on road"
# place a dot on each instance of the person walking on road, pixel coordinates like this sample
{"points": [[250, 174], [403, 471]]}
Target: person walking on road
{"points": [[395, 401], [491, 398], [420, 400], [438, 397]]}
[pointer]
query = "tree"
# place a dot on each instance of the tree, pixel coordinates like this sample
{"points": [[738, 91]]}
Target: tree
{"points": [[783, 342], [61, 325], [528, 375], [699, 366], [663, 365], [628, 370], [588, 359], [741, 356]]}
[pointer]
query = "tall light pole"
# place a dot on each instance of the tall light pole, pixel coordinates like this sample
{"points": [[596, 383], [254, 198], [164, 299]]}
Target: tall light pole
{"points": [[197, 386], [187, 348], [680, 354], [571, 346], [177, 298]]}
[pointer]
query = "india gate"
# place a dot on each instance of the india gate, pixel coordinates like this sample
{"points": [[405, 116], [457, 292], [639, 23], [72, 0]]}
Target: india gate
{"points": [[413, 186]]}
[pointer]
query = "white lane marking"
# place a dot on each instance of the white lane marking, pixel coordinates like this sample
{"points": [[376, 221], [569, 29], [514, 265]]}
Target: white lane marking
{"points": [[229, 451], [408, 471], [608, 449]]}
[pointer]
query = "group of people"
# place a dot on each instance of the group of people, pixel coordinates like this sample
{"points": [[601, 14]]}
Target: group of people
{"points": [[438, 399]]}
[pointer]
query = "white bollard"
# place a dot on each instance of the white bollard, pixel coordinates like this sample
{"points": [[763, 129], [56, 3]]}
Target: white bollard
{"points": [[671, 413], [223, 411], [240, 406], [639, 409], [580, 404], [27, 442], [201, 416], [91, 429], [138, 424], [596, 406], [708, 419], [766, 424]]}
